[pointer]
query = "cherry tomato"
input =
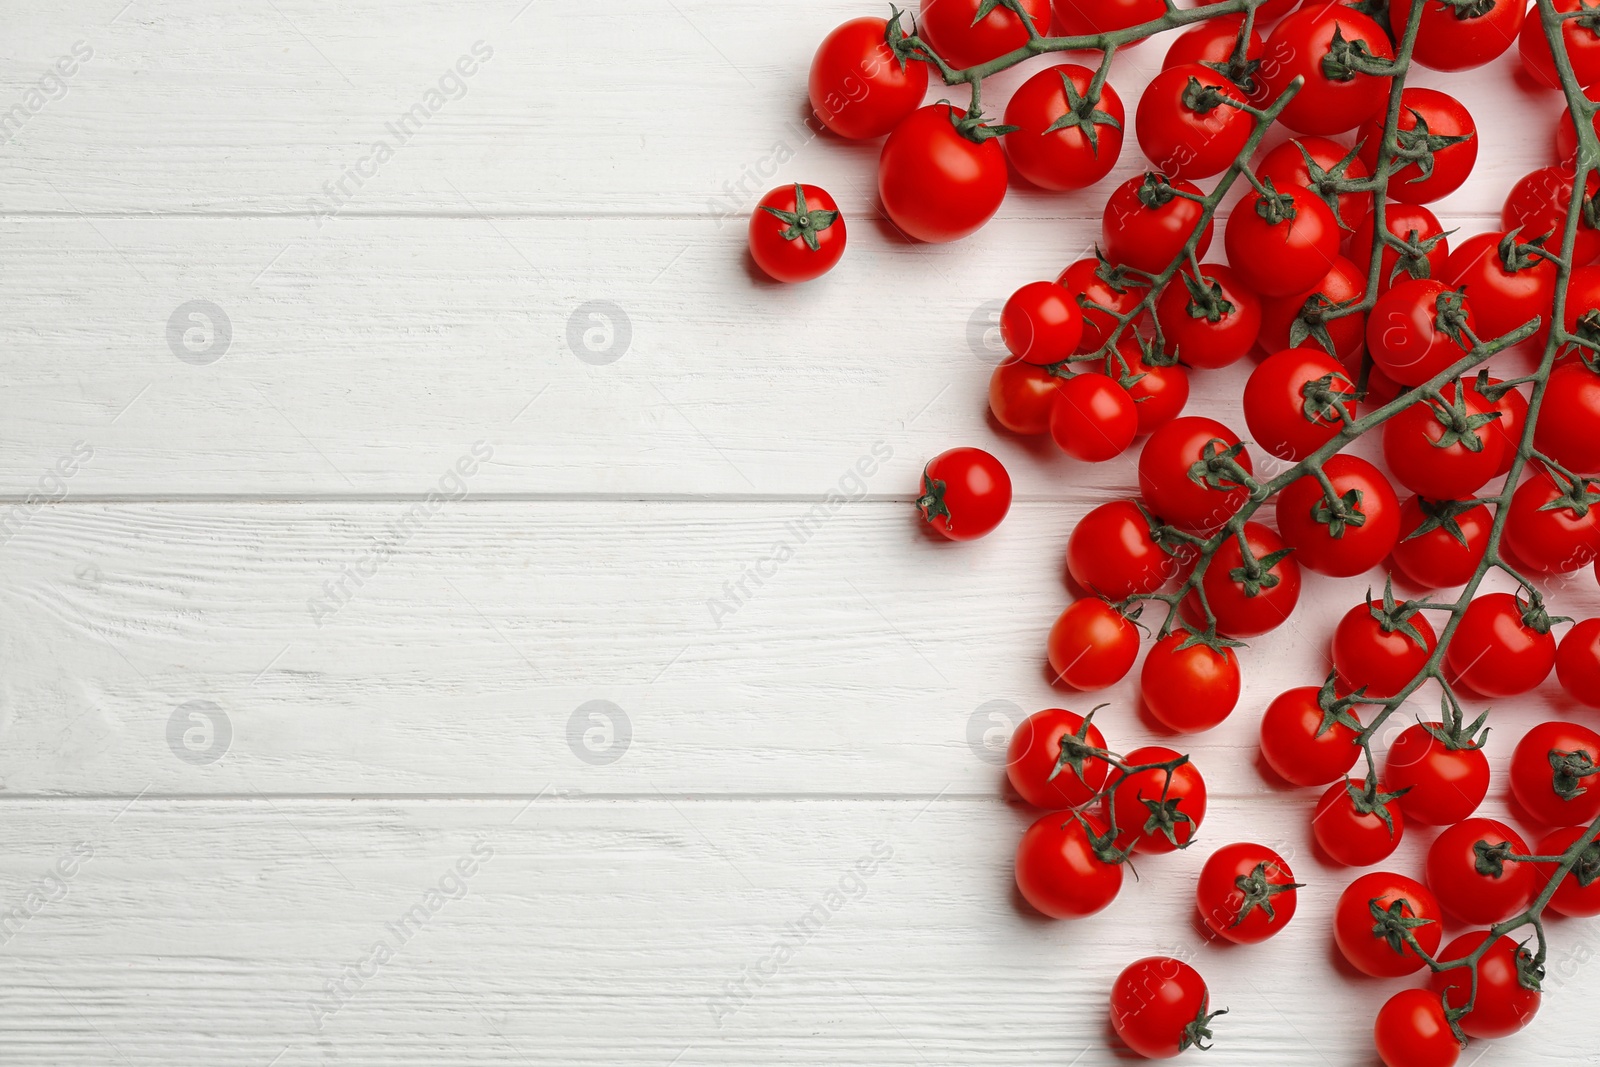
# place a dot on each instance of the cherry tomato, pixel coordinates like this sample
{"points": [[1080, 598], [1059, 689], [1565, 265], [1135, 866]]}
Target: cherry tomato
{"points": [[964, 39], [1582, 45], [1287, 167], [937, 185], [1282, 247], [1160, 1007], [1583, 305], [1304, 745], [1334, 97], [1351, 836], [1094, 418], [1503, 1005], [1568, 430], [1555, 773], [1572, 897], [1077, 153], [796, 233], [1159, 392], [1408, 334], [1578, 662], [1189, 689], [1502, 298], [858, 88], [1154, 812], [1440, 546], [1345, 282], [1468, 872], [1443, 785], [1041, 323], [1096, 282], [1412, 1030], [1092, 645], [1457, 38], [1168, 457], [1021, 396], [1035, 764], [1369, 941], [1292, 401], [1426, 114], [1537, 205], [1427, 246], [1210, 320], [965, 493], [1567, 132], [1145, 224], [1495, 652], [1429, 446], [1112, 554], [1183, 127], [1059, 870], [1077, 19], [1549, 537], [1246, 893], [1343, 537], [1380, 649], [1213, 41], [1248, 602]]}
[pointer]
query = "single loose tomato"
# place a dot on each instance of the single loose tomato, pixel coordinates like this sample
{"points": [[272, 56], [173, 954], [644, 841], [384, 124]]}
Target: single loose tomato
{"points": [[1246, 893], [1374, 914], [1537, 205], [1306, 318], [1041, 323], [1412, 1031], [796, 233], [1077, 19], [1188, 689], [1160, 1007], [1092, 645], [1502, 647], [1555, 773], [1568, 430], [1021, 396], [965, 493], [1578, 894], [1424, 247], [1049, 762], [1327, 46], [1441, 542], [1578, 662], [1347, 535], [1156, 810], [1381, 647], [1211, 319], [1094, 418], [1170, 456], [1505, 1003], [1063, 140], [1306, 743], [1184, 127], [966, 33], [1442, 784], [1289, 166], [1146, 222], [1553, 528], [1061, 870], [1357, 828], [1112, 552], [936, 182], [1248, 598], [859, 89], [1284, 244], [1468, 870], [1429, 121], [1293, 402], [1581, 38], [1451, 37], [1418, 329], [1444, 450], [1100, 284]]}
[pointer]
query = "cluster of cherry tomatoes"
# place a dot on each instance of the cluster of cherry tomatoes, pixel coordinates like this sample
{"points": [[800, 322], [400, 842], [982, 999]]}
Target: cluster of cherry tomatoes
{"points": [[1101, 357]]}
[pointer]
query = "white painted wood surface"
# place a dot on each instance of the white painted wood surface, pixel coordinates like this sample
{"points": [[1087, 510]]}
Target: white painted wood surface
{"points": [[249, 776]]}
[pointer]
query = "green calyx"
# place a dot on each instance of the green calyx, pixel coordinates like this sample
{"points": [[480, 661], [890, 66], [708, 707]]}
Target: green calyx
{"points": [[1395, 922], [1491, 861], [1395, 617], [1202, 99], [1155, 192], [1165, 818], [1460, 427], [1368, 799], [1340, 513], [1534, 615], [1418, 145], [1442, 515], [1324, 404], [1104, 845], [1467, 9], [1518, 255], [1083, 114], [931, 502], [1312, 322], [1205, 298], [1453, 731], [803, 224], [902, 46], [973, 128], [1568, 770], [1530, 971], [1219, 468], [1450, 316], [1257, 891], [1198, 1032], [1345, 59], [1336, 708], [1274, 207], [1255, 576], [1575, 496], [1076, 750], [1411, 254], [1328, 183], [1587, 869]]}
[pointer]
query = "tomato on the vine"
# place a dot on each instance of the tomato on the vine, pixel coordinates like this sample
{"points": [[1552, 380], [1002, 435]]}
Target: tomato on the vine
{"points": [[1327, 46], [1579, 36], [1021, 396], [1412, 1031], [1077, 19], [796, 233], [1062, 141], [1094, 418], [1555, 773], [1155, 813], [1372, 913], [1418, 329], [1189, 689], [1092, 645], [1183, 126], [1301, 319], [1112, 552], [1451, 37], [1048, 774], [1213, 41], [1289, 167], [859, 89], [966, 33], [1504, 1004], [1502, 647], [1512, 404], [1429, 120], [1060, 869], [1381, 646], [1304, 744], [1284, 244], [1551, 527], [1170, 456], [1508, 285], [1578, 662], [1159, 391], [1443, 450], [1097, 281], [1443, 785], [1468, 870], [1578, 894], [1441, 542], [1350, 824], [1246, 893], [1347, 535], [1250, 598], [1426, 245], [1293, 400], [1210, 320], [1041, 323], [1160, 1006], [1568, 430], [1146, 223], [1537, 205], [965, 493], [936, 183]]}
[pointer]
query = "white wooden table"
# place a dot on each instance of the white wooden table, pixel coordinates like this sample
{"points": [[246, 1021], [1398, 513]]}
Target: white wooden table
{"points": [[361, 694]]}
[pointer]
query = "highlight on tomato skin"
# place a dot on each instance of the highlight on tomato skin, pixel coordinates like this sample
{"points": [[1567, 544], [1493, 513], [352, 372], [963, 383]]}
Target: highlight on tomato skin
{"points": [[965, 493]]}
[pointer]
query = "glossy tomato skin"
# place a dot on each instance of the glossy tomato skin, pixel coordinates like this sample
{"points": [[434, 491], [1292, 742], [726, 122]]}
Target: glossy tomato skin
{"points": [[1153, 1002], [1369, 654], [1149, 237], [792, 259], [1212, 41], [1275, 402], [1582, 46], [1184, 143], [963, 40], [1287, 256], [1347, 549], [1344, 282], [1464, 892], [1504, 1005], [1443, 785], [1446, 42], [936, 185], [1238, 613], [1534, 778], [1300, 46], [1444, 116], [1437, 558], [1412, 1031], [1035, 751], [1111, 553], [1094, 418], [1568, 430], [1224, 906], [1022, 395], [1041, 323], [1578, 662], [1567, 133], [1370, 952], [1408, 222], [1502, 299], [1537, 205], [1136, 821], [858, 89], [1412, 449], [1159, 393], [1403, 334], [1551, 538], [1352, 837], [1494, 653], [1513, 408], [966, 492], [1189, 689], [1187, 326], [1092, 645], [1085, 277], [1570, 898], [1057, 870], [1075, 19], [1064, 158], [1164, 482], [1287, 168], [1298, 748]]}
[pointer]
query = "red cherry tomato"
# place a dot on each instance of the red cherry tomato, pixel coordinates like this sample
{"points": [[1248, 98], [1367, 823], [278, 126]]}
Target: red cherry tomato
{"points": [[1249, 604], [1572, 897], [1370, 940], [1167, 459], [1070, 156], [1097, 283], [1160, 1006], [1211, 320], [1035, 766], [1503, 1005], [1503, 298], [1094, 418], [1428, 247], [1457, 863], [1440, 546], [796, 233], [1582, 47], [1578, 662], [1351, 836], [937, 185], [1280, 248], [1092, 645], [1021, 396], [1145, 224], [1405, 335], [1426, 114], [1353, 537], [1334, 97], [1568, 430], [1537, 205], [1246, 893], [1555, 773], [1381, 649], [1567, 132], [965, 493], [1551, 537], [1448, 41], [1077, 19], [1154, 812], [1112, 554], [1213, 41], [1495, 652], [1429, 448], [1287, 166], [1302, 743], [1443, 785], [1292, 402], [1412, 1031], [963, 39], [1189, 689], [1183, 127], [1041, 323], [858, 88], [1343, 283], [1159, 392], [1059, 871]]}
